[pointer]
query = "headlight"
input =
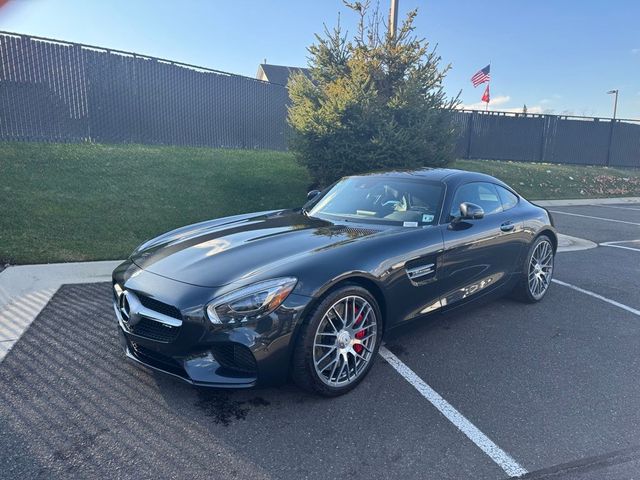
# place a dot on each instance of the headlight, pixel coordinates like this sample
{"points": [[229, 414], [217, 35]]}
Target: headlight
{"points": [[250, 303]]}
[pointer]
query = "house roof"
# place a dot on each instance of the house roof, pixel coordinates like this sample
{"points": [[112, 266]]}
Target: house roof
{"points": [[280, 73]]}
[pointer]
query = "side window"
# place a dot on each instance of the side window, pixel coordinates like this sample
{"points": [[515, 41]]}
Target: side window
{"points": [[480, 193], [509, 200]]}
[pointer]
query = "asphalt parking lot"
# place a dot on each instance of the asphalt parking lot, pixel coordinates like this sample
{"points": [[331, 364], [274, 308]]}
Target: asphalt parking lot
{"points": [[554, 386]]}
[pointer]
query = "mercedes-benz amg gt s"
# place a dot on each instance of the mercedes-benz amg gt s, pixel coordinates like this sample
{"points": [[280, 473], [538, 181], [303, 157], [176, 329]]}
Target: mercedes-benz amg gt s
{"points": [[309, 293]]}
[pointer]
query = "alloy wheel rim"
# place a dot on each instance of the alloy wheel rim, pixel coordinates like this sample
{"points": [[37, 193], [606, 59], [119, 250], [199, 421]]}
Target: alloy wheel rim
{"points": [[345, 340], [540, 269]]}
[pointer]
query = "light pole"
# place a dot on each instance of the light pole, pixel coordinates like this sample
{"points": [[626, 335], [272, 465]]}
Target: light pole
{"points": [[615, 101], [393, 18], [613, 122]]}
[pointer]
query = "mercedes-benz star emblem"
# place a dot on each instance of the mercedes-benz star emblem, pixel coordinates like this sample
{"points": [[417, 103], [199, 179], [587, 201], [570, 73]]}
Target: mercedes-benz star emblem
{"points": [[126, 304]]}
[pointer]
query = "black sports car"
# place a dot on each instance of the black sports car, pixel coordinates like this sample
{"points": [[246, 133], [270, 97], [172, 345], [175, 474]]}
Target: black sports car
{"points": [[309, 293]]}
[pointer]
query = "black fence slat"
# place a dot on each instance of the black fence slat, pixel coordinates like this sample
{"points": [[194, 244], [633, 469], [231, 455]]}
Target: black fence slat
{"points": [[59, 93], [26, 82], [12, 87], [4, 133], [5, 124], [36, 80], [65, 90], [625, 145]]}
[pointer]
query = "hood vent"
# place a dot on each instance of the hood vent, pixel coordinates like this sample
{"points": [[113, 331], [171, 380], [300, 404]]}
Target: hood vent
{"points": [[352, 231]]}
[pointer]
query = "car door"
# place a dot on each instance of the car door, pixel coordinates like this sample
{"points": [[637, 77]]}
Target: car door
{"points": [[414, 257], [479, 255]]}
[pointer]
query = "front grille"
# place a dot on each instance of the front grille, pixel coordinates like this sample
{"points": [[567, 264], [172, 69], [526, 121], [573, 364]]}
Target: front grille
{"points": [[153, 330], [149, 322], [235, 357], [160, 307]]}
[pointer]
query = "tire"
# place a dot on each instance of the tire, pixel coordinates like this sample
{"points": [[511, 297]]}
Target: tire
{"points": [[537, 271], [334, 353]]}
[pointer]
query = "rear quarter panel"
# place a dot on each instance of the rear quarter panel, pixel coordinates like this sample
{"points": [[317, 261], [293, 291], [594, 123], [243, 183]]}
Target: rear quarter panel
{"points": [[538, 220]]}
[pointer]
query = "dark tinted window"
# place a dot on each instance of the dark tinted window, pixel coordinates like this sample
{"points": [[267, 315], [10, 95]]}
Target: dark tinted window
{"points": [[509, 200], [382, 200], [480, 193]]}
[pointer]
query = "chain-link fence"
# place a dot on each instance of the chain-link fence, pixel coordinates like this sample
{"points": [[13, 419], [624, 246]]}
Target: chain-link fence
{"points": [[64, 92], [547, 138]]}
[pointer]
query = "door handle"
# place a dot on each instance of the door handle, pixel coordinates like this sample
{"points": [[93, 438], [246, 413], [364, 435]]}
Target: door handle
{"points": [[507, 226]]}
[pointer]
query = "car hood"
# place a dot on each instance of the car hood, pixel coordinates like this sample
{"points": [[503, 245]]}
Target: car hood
{"points": [[219, 252]]}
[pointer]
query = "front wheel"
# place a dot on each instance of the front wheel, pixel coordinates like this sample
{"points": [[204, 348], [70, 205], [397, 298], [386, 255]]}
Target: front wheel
{"points": [[537, 271], [338, 342]]}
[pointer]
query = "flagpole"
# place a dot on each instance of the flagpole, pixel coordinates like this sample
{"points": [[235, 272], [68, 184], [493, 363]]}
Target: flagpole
{"points": [[486, 107]]}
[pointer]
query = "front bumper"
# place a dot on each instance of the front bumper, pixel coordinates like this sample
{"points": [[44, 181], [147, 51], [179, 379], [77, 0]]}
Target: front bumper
{"points": [[173, 335]]}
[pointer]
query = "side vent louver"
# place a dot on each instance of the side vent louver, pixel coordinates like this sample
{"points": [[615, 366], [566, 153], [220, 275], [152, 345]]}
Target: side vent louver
{"points": [[421, 271]]}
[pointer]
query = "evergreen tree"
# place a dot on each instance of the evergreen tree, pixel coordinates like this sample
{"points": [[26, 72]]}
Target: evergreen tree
{"points": [[372, 102]]}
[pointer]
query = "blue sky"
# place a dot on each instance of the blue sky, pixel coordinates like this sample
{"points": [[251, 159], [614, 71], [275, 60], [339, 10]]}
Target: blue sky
{"points": [[556, 56]]}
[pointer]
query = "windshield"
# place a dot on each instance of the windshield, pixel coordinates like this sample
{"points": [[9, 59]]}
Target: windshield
{"points": [[382, 200]]}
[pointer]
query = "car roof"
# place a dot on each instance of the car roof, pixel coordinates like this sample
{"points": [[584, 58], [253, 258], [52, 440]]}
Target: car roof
{"points": [[447, 175]]}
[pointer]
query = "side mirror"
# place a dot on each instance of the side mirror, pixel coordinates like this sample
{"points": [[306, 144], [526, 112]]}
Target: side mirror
{"points": [[471, 211], [312, 194]]}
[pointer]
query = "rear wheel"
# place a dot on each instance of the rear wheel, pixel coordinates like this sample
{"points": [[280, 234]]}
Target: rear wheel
{"points": [[537, 271], [338, 343]]}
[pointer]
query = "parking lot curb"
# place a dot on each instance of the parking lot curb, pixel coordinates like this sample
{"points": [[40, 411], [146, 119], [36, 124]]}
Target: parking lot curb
{"points": [[585, 201], [567, 243]]}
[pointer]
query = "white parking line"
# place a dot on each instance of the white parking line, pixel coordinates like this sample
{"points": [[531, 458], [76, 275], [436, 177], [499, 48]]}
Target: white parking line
{"points": [[620, 246], [499, 456], [615, 245], [599, 297], [596, 218]]}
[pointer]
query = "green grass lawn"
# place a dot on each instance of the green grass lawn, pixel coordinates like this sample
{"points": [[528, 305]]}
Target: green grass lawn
{"points": [[65, 202], [544, 181], [70, 202]]}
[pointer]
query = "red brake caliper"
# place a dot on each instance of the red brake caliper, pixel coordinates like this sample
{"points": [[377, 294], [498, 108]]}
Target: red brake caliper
{"points": [[360, 334]]}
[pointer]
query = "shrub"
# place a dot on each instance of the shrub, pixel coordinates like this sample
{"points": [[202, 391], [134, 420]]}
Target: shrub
{"points": [[372, 102]]}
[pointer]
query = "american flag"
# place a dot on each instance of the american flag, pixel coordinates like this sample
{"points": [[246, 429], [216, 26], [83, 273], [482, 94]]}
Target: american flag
{"points": [[482, 76]]}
